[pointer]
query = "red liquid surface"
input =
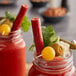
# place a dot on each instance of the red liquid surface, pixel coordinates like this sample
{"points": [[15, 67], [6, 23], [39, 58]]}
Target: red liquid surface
{"points": [[12, 58]]}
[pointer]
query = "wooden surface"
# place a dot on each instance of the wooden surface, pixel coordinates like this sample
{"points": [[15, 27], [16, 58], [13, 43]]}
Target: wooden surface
{"points": [[28, 66]]}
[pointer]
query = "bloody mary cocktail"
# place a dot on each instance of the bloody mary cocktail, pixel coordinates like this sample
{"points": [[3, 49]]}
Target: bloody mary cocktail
{"points": [[53, 56], [12, 45], [12, 55], [56, 67]]}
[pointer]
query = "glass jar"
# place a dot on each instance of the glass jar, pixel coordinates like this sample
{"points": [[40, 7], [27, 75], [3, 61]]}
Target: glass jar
{"points": [[12, 55], [57, 67]]}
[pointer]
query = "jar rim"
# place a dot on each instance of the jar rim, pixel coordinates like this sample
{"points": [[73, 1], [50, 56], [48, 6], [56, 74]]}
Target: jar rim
{"points": [[42, 61], [65, 59], [11, 33], [61, 66]]}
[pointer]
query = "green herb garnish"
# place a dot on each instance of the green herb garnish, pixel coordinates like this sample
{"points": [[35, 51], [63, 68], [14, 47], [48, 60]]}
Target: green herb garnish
{"points": [[10, 16], [25, 23], [32, 47], [49, 36]]}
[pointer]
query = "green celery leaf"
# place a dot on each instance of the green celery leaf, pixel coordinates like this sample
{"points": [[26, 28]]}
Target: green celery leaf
{"points": [[32, 47], [8, 15], [25, 24], [49, 35]]}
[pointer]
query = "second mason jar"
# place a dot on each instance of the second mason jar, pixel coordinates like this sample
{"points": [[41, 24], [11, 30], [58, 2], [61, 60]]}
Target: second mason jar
{"points": [[57, 67], [12, 55]]}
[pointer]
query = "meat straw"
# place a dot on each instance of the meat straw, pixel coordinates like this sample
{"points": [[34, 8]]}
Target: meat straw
{"points": [[20, 16], [37, 33]]}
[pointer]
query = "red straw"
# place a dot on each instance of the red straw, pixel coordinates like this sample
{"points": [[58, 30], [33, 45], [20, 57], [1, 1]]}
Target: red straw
{"points": [[36, 27], [18, 21]]}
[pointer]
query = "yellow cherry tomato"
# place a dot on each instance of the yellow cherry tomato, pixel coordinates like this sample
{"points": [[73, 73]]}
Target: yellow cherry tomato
{"points": [[48, 53], [5, 29]]}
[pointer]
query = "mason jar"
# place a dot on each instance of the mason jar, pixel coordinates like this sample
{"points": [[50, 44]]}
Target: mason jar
{"points": [[12, 55], [56, 67]]}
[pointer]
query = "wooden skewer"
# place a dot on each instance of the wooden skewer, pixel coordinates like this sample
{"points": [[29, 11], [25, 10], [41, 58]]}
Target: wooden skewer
{"points": [[37, 57], [72, 45]]}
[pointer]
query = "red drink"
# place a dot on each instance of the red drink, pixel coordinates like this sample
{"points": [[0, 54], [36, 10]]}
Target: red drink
{"points": [[53, 68], [47, 60], [12, 55]]}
